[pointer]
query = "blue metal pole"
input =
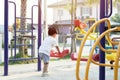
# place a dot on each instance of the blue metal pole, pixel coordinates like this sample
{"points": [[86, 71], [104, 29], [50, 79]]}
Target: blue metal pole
{"points": [[102, 29], [6, 38], [39, 32]]}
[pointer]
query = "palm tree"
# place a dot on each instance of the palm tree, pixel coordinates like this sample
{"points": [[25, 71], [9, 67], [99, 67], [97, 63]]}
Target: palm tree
{"points": [[71, 7], [22, 26], [23, 14]]}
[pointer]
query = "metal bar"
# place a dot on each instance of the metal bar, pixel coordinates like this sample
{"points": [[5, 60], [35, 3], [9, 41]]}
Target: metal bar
{"points": [[24, 31], [45, 28], [110, 9], [102, 29], [23, 18], [39, 32], [106, 7], [20, 59], [11, 47], [24, 45], [5, 37], [14, 26], [1, 49], [33, 51]]}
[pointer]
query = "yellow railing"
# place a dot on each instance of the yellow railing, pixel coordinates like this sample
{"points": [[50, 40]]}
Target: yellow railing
{"points": [[93, 48], [92, 36]]}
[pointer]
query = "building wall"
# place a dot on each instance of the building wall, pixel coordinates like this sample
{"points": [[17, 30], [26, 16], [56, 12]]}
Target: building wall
{"points": [[60, 14], [96, 11], [81, 12]]}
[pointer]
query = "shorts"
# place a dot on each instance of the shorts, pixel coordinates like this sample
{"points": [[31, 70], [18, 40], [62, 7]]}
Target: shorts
{"points": [[44, 57]]}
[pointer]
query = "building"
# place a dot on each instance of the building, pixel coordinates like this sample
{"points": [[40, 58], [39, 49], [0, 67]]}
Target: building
{"points": [[62, 14], [83, 10]]}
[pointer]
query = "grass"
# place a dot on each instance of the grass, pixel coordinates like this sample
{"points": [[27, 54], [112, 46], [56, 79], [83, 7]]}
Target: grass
{"points": [[12, 62], [34, 61], [1, 64]]}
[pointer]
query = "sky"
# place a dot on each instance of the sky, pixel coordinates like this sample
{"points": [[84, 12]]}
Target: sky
{"points": [[30, 3]]}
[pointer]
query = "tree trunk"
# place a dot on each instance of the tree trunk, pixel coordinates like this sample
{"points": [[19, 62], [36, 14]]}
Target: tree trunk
{"points": [[22, 26], [23, 15], [73, 16]]}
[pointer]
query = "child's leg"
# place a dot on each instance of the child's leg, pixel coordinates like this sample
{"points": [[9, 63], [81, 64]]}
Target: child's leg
{"points": [[45, 68], [46, 63]]}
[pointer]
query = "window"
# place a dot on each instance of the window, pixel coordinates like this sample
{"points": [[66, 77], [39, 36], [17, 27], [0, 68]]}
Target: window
{"points": [[85, 11], [60, 12]]}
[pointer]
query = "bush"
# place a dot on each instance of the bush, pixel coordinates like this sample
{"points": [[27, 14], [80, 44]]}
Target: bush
{"points": [[19, 55], [116, 18]]}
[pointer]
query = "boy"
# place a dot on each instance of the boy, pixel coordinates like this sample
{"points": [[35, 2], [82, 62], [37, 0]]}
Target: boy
{"points": [[45, 48]]}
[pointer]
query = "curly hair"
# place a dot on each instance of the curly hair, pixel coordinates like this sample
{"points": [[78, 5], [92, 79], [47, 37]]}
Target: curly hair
{"points": [[52, 30]]}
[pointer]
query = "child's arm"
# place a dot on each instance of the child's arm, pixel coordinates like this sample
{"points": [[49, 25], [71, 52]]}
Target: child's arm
{"points": [[58, 49]]}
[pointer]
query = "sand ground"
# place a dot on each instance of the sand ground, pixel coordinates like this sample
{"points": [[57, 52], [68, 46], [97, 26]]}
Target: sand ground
{"points": [[58, 70]]}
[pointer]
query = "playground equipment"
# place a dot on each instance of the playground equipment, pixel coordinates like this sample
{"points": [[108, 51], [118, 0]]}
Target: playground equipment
{"points": [[80, 33], [6, 35], [80, 29], [18, 37], [59, 55], [102, 15], [0, 49], [112, 56], [90, 60]]}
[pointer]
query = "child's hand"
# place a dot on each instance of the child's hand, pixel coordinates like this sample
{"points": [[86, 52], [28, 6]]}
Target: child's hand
{"points": [[52, 51], [59, 52]]}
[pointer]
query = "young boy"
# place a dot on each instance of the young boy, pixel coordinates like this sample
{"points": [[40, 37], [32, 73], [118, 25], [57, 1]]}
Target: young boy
{"points": [[45, 48]]}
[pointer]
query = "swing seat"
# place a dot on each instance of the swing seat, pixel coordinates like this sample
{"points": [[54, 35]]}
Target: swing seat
{"points": [[111, 57], [96, 57], [59, 55], [78, 23], [74, 57]]}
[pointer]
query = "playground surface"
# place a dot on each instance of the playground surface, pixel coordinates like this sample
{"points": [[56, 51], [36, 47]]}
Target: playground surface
{"points": [[58, 70]]}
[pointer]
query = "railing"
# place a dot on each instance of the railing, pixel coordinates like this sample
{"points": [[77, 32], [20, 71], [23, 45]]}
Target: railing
{"points": [[97, 43]]}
